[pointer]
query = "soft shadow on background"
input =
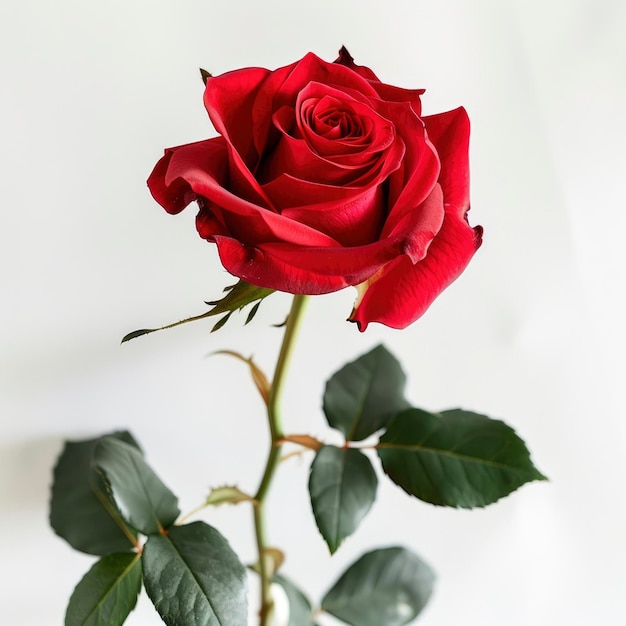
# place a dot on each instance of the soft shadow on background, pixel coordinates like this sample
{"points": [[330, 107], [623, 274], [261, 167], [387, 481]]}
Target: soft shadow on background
{"points": [[533, 332]]}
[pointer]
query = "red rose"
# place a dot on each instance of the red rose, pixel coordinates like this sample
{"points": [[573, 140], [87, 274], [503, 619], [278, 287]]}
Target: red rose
{"points": [[324, 177]]}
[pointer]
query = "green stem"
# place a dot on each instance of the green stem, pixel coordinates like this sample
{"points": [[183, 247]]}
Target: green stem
{"points": [[276, 433]]}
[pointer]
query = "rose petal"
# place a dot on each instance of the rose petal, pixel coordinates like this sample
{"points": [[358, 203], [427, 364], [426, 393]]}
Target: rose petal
{"points": [[424, 222], [287, 191], [313, 69], [355, 264], [167, 182], [356, 220], [228, 100], [402, 292], [306, 270], [293, 156], [413, 181], [283, 85], [343, 152], [173, 197], [449, 132], [384, 91], [389, 93], [199, 170], [258, 268], [376, 132]]}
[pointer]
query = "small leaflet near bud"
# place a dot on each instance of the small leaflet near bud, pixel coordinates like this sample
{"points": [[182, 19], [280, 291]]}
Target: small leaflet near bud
{"points": [[237, 297], [253, 312], [227, 495], [345, 57], [205, 75], [220, 323]]}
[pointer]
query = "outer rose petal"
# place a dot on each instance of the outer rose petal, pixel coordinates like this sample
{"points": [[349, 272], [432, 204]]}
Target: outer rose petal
{"points": [[174, 193], [449, 132], [315, 269], [263, 270], [402, 292], [229, 99], [311, 271], [413, 181], [198, 171]]}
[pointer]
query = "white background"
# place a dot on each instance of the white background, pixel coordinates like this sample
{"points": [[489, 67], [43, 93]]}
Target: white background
{"points": [[533, 332]]}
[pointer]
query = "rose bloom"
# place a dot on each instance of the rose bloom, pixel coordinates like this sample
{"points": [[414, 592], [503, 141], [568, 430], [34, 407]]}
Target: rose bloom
{"points": [[323, 177]]}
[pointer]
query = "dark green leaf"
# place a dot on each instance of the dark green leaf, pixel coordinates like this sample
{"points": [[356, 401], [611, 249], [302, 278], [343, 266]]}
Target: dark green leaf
{"points": [[205, 75], [81, 510], [387, 587], [365, 395], [142, 499], [300, 609], [193, 577], [342, 485], [107, 593], [455, 458]]}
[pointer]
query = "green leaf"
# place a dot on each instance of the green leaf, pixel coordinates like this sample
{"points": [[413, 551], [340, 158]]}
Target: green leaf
{"points": [[386, 587], [205, 75], [239, 295], [342, 485], [300, 609], [365, 395], [142, 499], [193, 577], [455, 458], [107, 593], [81, 511]]}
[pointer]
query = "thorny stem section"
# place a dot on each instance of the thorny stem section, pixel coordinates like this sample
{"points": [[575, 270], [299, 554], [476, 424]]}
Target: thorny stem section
{"points": [[273, 459]]}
